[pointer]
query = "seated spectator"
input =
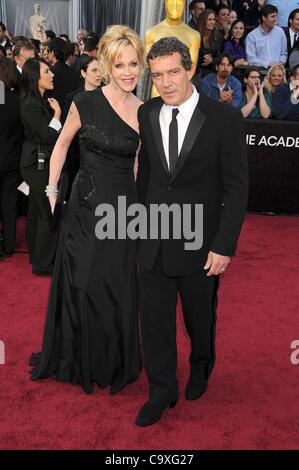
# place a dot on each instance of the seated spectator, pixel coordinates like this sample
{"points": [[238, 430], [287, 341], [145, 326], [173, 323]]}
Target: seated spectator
{"points": [[284, 8], [294, 57], [292, 32], [235, 45], [267, 44], [275, 77], [214, 4], [222, 20], [11, 138], [286, 98], [196, 7], [256, 101], [232, 17], [248, 10], [222, 85], [211, 39]]}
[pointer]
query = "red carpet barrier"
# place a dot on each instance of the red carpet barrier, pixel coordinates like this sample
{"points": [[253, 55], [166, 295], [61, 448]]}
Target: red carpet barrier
{"points": [[273, 155]]}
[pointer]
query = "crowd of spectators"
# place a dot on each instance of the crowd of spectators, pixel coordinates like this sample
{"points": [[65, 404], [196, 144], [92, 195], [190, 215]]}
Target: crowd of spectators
{"points": [[249, 55]]}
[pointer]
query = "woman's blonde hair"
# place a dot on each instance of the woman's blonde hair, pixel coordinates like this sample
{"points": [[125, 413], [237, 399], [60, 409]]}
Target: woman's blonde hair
{"points": [[267, 82], [112, 45]]}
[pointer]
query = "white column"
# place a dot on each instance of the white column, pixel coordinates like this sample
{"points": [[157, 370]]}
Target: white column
{"points": [[74, 20], [3, 15]]}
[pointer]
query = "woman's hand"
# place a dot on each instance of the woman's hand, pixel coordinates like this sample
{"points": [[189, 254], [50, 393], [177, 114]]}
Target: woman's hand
{"points": [[55, 106], [52, 201], [261, 89]]}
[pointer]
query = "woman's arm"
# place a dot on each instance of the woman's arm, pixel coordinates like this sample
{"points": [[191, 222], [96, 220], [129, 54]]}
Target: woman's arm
{"points": [[248, 108], [265, 109], [70, 129]]}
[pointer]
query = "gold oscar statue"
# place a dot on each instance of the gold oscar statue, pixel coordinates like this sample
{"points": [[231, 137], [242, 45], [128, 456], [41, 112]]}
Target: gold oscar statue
{"points": [[174, 25]]}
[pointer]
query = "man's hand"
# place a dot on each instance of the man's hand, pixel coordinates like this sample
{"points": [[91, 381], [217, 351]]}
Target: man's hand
{"points": [[216, 264], [227, 96]]}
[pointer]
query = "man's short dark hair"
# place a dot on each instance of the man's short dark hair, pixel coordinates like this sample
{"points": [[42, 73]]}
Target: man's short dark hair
{"points": [[59, 47], [2, 25], [225, 55], [169, 46], [91, 44], [27, 45], [220, 7], [267, 10], [294, 70], [50, 34], [193, 4]]}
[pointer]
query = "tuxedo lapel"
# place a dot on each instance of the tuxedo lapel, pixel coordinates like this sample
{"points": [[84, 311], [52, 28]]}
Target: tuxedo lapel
{"points": [[195, 126], [155, 122]]}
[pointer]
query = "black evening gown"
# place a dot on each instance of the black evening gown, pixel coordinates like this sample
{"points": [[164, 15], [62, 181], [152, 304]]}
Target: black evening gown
{"points": [[91, 332]]}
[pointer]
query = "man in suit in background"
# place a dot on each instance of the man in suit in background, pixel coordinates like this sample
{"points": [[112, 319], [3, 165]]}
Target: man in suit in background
{"points": [[286, 98], [196, 7], [66, 79], [22, 51], [292, 32], [192, 152]]}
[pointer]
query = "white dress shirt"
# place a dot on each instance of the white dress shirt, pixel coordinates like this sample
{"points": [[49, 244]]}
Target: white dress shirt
{"points": [[292, 37], [186, 111], [55, 124]]}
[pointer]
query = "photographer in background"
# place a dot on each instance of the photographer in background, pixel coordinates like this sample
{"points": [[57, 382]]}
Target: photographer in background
{"points": [[41, 120]]}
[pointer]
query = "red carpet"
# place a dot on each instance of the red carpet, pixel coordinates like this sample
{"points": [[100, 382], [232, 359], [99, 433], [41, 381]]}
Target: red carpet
{"points": [[253, 396]]}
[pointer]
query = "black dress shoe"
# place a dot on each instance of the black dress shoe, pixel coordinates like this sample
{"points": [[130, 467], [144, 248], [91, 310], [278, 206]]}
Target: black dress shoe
{"points": [[151, 413], [195, 390]]}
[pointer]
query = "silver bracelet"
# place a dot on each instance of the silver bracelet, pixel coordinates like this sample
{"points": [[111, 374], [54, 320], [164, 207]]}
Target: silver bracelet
{"points": [[51, 190]]}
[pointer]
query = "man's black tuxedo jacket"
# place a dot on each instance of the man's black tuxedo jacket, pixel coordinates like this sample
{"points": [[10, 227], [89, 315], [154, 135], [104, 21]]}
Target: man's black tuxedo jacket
{"points": [[66, 80], [212, 170], [11, 132]]}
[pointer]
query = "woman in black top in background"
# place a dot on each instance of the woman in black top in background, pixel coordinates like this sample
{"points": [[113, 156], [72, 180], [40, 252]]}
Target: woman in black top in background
{"points": [[91, 80], [41, 120]]}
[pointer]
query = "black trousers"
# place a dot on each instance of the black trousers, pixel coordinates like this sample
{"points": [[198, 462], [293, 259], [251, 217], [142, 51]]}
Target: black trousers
{"points": [[9, 182], [159, 294], [41, 229]]}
